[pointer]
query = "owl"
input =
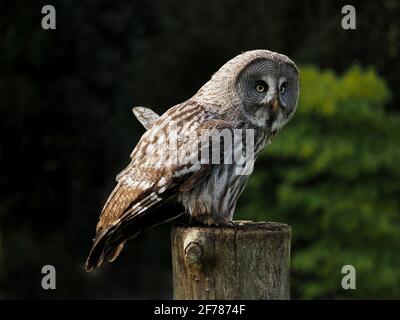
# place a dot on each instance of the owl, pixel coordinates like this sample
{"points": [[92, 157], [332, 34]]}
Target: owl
{"points": [[256, 92]]}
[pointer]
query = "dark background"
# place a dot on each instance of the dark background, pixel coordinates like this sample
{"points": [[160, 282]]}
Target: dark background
{"points": [[67, 130]]}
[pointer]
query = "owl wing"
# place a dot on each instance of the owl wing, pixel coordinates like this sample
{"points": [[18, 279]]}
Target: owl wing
{"points": [[146, 116], [149, 180]]}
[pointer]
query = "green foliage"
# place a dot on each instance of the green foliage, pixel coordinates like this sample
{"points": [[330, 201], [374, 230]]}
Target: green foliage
{"points": [[333, 175]]}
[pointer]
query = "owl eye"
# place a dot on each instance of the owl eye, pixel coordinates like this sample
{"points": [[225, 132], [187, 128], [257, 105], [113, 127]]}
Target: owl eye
{"points": [[282, 89], [261, 86]]}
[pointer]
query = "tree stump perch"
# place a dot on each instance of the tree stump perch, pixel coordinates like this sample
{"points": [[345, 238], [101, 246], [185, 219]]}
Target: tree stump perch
{"points": [[246, 261]]}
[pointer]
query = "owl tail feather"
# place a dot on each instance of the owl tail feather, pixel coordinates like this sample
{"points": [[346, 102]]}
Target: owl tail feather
{"points": [[109, 242]]}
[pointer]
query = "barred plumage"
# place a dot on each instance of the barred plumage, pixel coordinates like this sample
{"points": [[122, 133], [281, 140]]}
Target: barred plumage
{"points": [[247, 93]]}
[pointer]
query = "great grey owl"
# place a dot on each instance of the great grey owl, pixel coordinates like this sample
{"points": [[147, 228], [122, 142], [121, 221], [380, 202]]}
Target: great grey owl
{"points": [[257, 92]]}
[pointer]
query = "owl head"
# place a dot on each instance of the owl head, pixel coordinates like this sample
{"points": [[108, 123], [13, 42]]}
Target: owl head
{"points": [[259, 87]]}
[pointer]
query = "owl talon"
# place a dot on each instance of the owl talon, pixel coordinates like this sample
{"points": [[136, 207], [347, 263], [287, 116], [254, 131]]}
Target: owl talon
{"points": [[212, 222], [223, 223]]}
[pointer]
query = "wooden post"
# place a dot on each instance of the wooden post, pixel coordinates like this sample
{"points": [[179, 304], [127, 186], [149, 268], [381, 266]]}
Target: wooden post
{"points": [[246, 261]]}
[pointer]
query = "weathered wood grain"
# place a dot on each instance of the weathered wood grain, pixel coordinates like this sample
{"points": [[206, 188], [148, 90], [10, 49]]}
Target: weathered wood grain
{"points": [[246, 261]]}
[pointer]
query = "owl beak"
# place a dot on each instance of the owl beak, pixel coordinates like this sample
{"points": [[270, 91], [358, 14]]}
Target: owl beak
{"points": [[273, 104]]}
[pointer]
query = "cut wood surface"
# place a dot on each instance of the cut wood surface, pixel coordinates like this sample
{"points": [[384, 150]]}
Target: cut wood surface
{"points": [[246, 261]]}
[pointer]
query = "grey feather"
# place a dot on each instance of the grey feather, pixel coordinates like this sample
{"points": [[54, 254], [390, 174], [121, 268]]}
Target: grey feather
{"points": [[146, 116]]}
